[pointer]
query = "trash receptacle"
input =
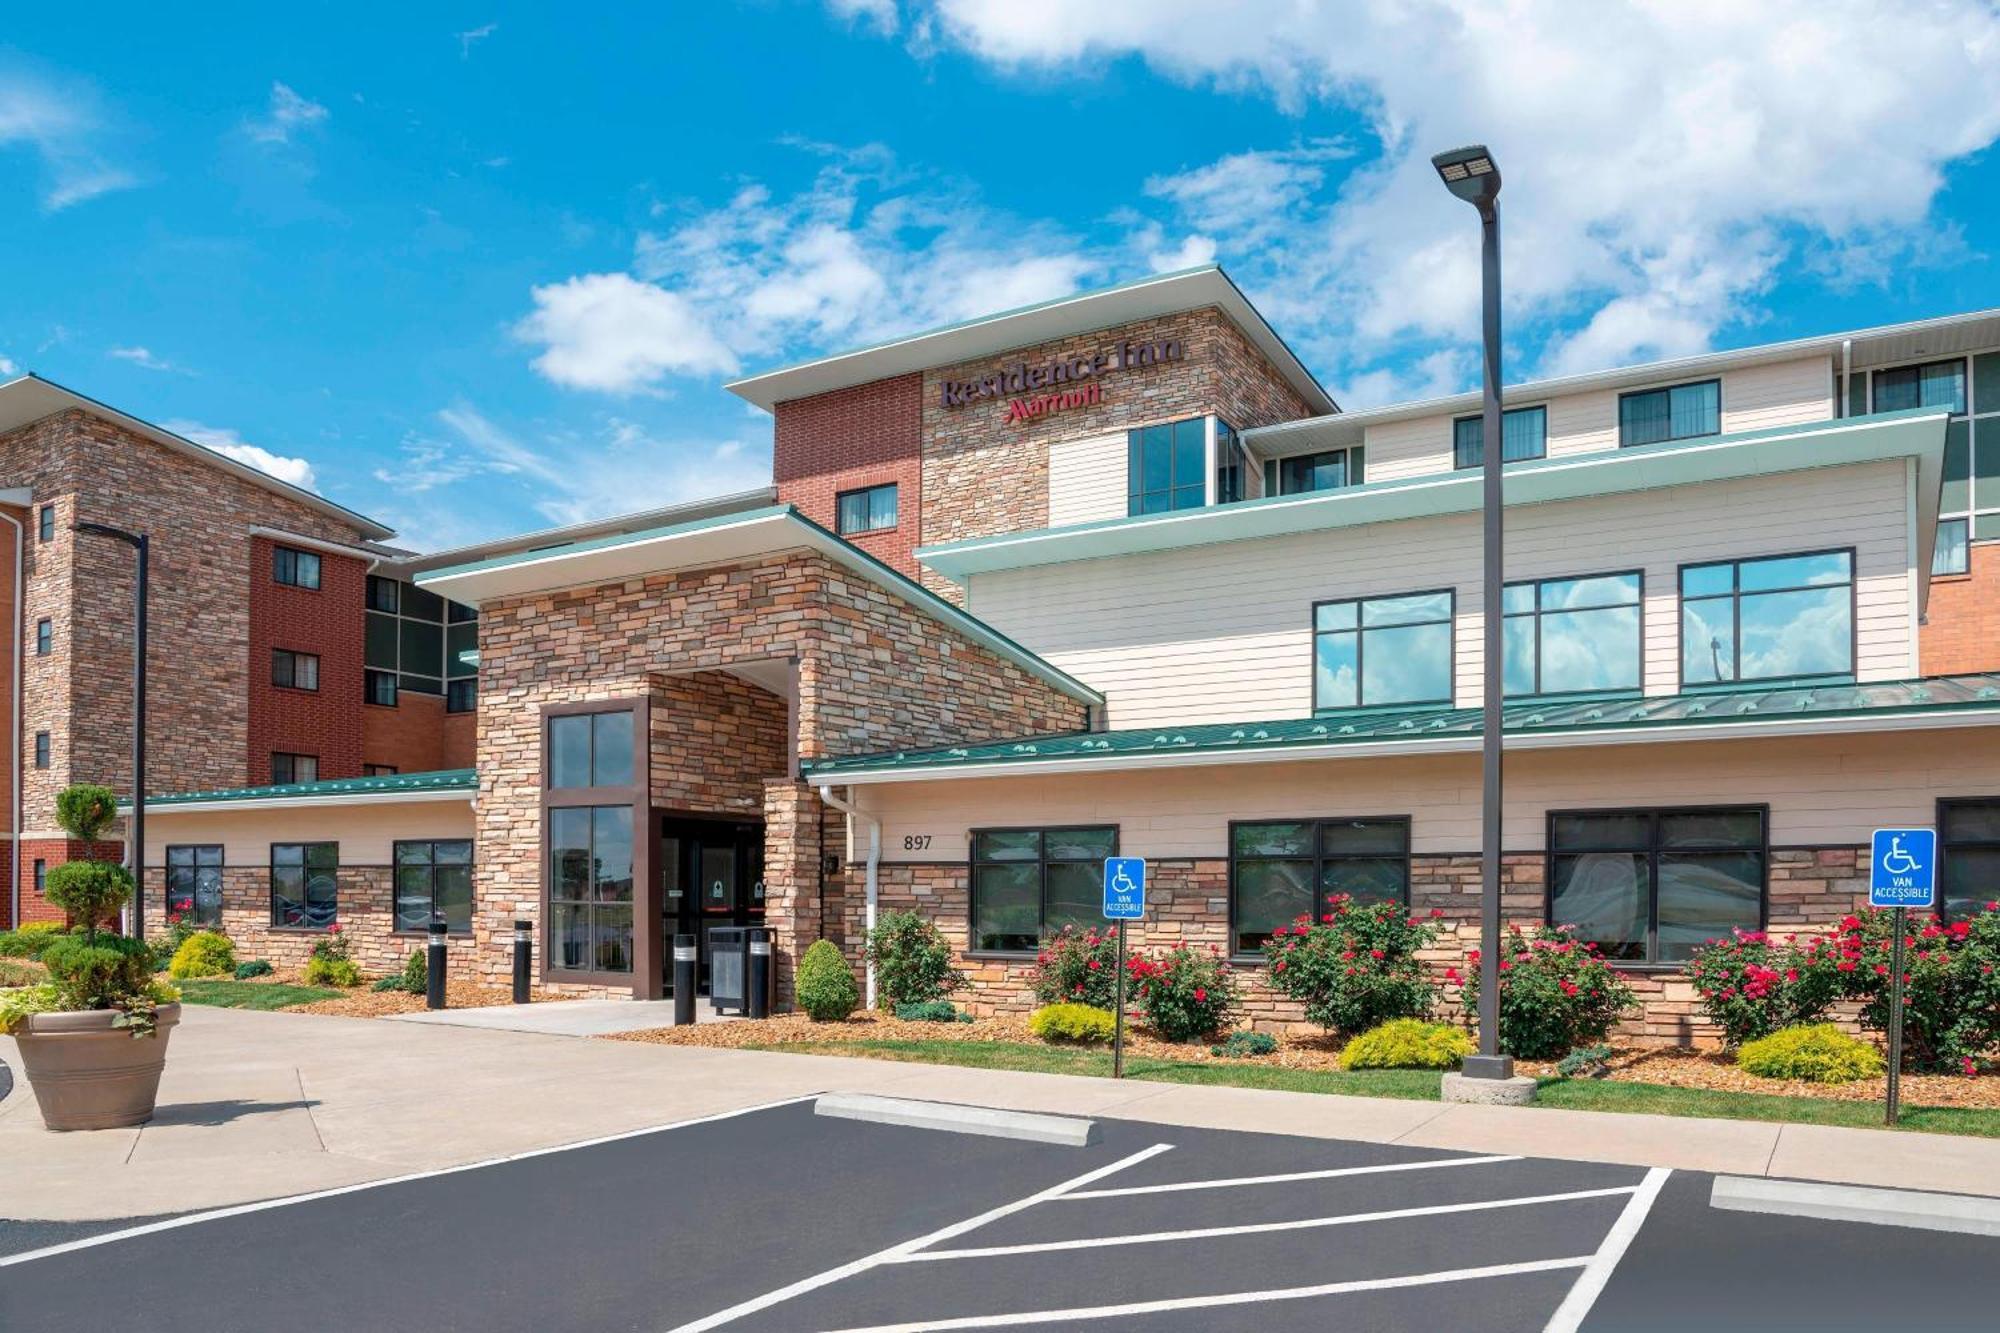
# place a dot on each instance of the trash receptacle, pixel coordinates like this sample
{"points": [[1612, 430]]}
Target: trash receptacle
{"points": [[729, 968]]}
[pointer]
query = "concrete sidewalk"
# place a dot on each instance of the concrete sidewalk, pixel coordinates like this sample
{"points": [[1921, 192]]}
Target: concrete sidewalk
{"points": [[257, 1105]]}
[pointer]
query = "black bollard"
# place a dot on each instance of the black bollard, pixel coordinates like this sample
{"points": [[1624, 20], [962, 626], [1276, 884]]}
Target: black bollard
{"points": [[434, 964], [759, 1002], [683, 980], [523, 950]]}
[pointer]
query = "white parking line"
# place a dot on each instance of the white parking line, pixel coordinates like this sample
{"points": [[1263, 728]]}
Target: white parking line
{"points": [[1287, 1177], [1256, 1228], [1232, 1298], [1589, 1285], [895, 1252]]}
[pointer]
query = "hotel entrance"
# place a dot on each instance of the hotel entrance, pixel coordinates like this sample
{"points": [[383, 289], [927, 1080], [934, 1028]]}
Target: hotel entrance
{"points": [[711, 874]]}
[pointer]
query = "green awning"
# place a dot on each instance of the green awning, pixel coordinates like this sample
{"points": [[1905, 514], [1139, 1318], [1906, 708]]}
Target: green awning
{"points": [[440, 780]]}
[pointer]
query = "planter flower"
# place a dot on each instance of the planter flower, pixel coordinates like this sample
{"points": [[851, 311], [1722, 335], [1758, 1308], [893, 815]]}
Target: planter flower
{"points": [[93, 1038]]}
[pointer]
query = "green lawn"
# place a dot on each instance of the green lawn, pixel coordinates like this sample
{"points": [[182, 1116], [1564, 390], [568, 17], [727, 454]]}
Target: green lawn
{"points": [[1411, 1085], [252, 994]]}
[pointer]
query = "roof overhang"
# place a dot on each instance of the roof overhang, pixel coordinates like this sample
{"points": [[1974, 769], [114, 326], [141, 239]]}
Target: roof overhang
{"points": [[617, 525], [721, 540], [156, 809], [990, 335]]}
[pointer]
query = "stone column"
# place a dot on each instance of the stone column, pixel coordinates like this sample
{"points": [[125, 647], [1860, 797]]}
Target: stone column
{"points": [[792, 843]]}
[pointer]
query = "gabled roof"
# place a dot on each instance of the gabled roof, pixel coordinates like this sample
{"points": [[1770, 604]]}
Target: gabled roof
{"points": [[1010, 330], [441, 784], [1720, 714], [30, 398], [548, 539]]}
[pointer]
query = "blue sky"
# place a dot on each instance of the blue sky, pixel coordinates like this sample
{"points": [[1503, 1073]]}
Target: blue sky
{"points": [[475, 270]]}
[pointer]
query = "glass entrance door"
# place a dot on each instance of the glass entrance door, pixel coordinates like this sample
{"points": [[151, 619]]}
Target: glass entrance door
{"points": [[711, 874]]}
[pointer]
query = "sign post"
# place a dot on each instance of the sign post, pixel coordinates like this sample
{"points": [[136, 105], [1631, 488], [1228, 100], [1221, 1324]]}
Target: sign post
{"points": [[1124, 900], [1902, 873]]}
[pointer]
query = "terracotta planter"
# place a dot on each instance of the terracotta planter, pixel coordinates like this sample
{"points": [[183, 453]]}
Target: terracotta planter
{"points": [[88, 1074]]}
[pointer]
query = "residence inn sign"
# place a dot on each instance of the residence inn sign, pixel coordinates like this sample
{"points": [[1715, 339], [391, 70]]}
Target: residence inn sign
{"points": [[1074, 381]]}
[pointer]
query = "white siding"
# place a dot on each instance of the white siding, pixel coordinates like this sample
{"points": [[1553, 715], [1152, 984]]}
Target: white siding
{"points": [[1087, 479], [367, 834], [1222, 633]]}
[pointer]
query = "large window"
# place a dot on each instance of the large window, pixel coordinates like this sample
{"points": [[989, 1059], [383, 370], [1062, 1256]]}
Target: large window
{"points": [[1572, 636], [194, 885], [1524, 434], [1029, 883], [434, 877], [1970, 833], [294, 671], [294, 568], [869, 510], [590, 750], [1779, 618], [305, 884], [1935, 384], [1649, 886], [1971, 446], [417, 639], [1682, 412], [1166, 467], [1382, 650], [590, 888], [1285, 869]]}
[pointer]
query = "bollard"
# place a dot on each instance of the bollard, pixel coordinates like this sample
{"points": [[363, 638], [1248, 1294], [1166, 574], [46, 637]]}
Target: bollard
{"points": [[758, 1004], [683, 980], [524, 943], [434, 964]]}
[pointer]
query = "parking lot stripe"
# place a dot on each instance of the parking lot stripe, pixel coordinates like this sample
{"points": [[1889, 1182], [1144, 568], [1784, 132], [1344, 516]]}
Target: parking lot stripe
{"points": [[1285, 1178], [895, 1252], [1255, 1228], [1230, 1298], [1569, 1316]]}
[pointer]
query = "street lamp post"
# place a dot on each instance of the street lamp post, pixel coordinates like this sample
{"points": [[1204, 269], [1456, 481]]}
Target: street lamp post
{"points": [[142, 547], [1470, 174]]}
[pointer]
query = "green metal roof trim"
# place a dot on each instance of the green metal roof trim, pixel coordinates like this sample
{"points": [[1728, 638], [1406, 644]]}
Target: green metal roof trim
{"points": [[444, 779], [1721, 707]]}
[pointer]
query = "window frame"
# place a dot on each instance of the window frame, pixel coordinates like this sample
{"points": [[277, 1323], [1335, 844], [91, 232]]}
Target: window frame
{"points": [[840, 527], [1654, 813], [1349, 470], [397, 867], [972, 864], [1964, 363], [45, 523], [452, 688], [1636, 687], [308, 661], [196, 865], [45, 636], [1314, 632], [382, 771], [44, 750], [1458, 464], [294, 756], [370, 676], [1736, 618], [1668, 389], [1318, 859], [298, 557], [41, 875], [1944, 803], [305, 867], [646, 978], [1135, 467]]}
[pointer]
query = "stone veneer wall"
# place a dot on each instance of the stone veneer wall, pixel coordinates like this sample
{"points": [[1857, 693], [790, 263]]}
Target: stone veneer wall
{"points": [[367, 919]]}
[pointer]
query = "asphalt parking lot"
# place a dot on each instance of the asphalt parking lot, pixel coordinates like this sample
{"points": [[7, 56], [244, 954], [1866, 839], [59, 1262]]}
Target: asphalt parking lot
{"points": [[778, 1220]]}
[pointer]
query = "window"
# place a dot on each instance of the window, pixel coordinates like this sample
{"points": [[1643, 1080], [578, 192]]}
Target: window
{"points": [[290, 768], [380, 687], [1524, 433], [1228, 465], [1971, 446], [1937, 384], [1382, 650], [1572, 636], [41, 749], [298, 569], [1285, 869], [417, 638], [1952, 554], [434, 877], [305, 884], [869, 510], [1028, 883], [41, 875], [590, 888], [1777, 618], [590, 750], [194, 885], [1679, 413], [461, 696], [294, 671], [45, 524], [382, 594], [1166, 467], [1312, 472], [45, 637], [1969, 833], [1649, 886], [378, 770]]}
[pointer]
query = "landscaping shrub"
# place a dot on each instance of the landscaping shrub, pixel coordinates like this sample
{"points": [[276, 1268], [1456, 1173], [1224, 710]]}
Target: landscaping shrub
{"points": [[931, 1011], [330, 964], [1586, 1062], [17, 1006], [1555, 994], [1244, 1044], [20, 974], [90, 892], [912, 961], [205, 953], [1407, 1043], [94, 974], [1751, 985], [179, 930], [825, 984], [1185, 993], [28, 941], [1078, 966], [1951, 1000], [1073, 1024], [1356, 966], [1820, 1053], [256, 967]]}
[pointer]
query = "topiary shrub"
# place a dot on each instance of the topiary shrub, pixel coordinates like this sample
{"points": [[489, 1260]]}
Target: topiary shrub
{"points": [[1555, 994], [931, 1011], [912, 961], [1819, 1053], [1356, 966], [1407, 1043], [256, 967], [98, 974], [90, 892], [206, 953], [826, 984], [1185, 993], [1239, 1045], [1078, 966], [340, 972], [1072, 1024]]}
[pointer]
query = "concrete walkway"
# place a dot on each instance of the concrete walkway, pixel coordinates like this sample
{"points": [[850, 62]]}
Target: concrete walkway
{"points": [[569, 1018], [257, 1105]]}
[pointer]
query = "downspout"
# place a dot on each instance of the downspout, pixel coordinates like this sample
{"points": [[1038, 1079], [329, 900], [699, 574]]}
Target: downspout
{"points": [[14, 812], [852, 811]]}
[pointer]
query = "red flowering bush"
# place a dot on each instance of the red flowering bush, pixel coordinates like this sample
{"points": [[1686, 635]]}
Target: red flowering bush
{"points": [[1078, 966], [1752, 986], [1555, 993], [1185, 993], [1356, 966], [1951, 989]]}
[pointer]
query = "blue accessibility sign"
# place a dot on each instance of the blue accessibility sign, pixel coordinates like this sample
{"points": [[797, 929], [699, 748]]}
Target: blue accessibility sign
{"points": [[1902, 870], [1124, 888]]}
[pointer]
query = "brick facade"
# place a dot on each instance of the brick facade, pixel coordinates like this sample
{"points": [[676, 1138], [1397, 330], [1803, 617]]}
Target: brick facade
{"points": [[417, 735], [850, 438], [326, 622], [1961, 629]]}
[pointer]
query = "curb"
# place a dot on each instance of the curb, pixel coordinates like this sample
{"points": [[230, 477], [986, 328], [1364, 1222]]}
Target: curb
{"points": [[1964, 1213], [1064, 1131]]}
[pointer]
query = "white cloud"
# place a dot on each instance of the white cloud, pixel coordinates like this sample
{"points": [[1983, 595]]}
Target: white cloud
{"points": [[287, 114], [297, 471], [471, 37], [878, 14], [8, 368], [611, 332], [60, 124], [140, 356]]}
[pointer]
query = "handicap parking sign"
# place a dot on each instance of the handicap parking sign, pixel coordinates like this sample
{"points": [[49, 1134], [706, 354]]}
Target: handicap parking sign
{"points": [[1902, 869], [1124, 888]]}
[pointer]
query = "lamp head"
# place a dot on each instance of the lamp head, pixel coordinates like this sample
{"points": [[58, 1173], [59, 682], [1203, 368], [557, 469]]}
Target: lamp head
{"points": [[1470, 173]]}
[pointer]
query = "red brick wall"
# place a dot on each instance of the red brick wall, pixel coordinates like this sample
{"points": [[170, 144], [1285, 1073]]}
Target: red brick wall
{"points": [[865, 435], [326, 722], [54, 852], [1961, 629]]}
